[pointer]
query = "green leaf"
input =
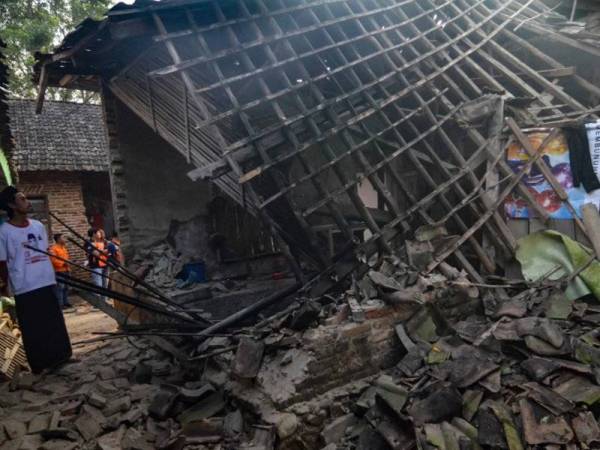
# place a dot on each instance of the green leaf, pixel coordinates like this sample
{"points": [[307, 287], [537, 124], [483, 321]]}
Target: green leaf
{"points": [[29, 26]]}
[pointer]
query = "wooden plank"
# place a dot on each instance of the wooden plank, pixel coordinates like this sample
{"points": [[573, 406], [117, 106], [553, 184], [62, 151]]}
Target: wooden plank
{"points": [[505, 170], [474, 134], [564, 226], [519, 227], [509, 243], [349, 93], [537, 225], [562, 39], [520, 65], [592, 88], [591, 219], [186, 126], [249, 45], [261, 151], [367, 141], [199, 103], [558, 72], [582, 238], [42, 86], [131, 28], [507, 190]]}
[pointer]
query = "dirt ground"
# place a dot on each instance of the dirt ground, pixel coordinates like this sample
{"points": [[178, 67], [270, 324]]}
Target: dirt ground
{"points": [[82, 322]]}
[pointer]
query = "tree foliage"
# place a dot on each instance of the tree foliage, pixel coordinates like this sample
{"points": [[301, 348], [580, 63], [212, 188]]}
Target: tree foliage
{"points": [[27, 26]]}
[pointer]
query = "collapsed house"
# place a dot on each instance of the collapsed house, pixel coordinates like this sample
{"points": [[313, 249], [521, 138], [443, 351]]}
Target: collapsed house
{"points": [[291, 112], [395, 151]]}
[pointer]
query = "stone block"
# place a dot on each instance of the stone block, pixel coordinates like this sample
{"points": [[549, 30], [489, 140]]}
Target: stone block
{"points": [[233, 425], [142, 373], [111, 441], [248, 358], [26, 380], [420, 254], [38, 424], [335, 431], [121, 404], [59, 444], [107, 373], [377, 310], [163, 402], [121, 383], [106, 389], [87, 426], [97, 400], [14, 429], [31, 442], [379, 335], [286, 424], [352, 330]]}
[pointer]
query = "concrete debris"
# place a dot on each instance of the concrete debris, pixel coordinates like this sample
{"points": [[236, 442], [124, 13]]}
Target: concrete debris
{"points": [[335, 431], [248, 358], [164, 264], [286, 424], [38, 424], [233, 425], [163, 402], [448, 369], [14, 429], [87, 426], [97, 400]]}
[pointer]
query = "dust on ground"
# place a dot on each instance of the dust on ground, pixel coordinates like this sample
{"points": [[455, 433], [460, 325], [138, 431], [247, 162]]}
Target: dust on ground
{"points": [[83, 321]]}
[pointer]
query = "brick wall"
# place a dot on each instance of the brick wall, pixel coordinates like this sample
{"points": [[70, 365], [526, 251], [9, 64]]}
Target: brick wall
{"points": [[65, 199], [116, 172], [350, 351], [333, 355]]}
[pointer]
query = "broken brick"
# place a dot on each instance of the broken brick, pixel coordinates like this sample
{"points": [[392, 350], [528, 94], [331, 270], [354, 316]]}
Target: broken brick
{"points": [[87, 426]]}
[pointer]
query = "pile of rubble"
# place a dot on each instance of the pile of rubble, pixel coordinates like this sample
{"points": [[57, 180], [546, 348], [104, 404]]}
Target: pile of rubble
{"points": [[477, 370], [518, 372], [89, 404], [161, 265], [400, 360]]}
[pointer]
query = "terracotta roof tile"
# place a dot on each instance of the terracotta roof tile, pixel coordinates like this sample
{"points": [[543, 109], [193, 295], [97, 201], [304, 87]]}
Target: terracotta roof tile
{"points": [[66, 136]]}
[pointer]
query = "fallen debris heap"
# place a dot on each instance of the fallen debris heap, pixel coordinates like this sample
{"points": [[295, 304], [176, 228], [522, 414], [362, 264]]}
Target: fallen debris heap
{"points": [[443, 365]]}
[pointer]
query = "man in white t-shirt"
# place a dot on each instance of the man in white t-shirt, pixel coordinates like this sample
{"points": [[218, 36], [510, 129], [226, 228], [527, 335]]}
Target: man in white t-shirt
{"points": [[31, 279]]}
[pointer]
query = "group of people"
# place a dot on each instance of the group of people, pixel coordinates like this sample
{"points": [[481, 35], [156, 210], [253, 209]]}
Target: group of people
{"points": [[28, 267], [100, 252]]}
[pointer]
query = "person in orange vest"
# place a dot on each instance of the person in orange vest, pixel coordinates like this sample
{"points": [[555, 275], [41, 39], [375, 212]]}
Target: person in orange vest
{"points": [[114, 248], [60, 265], [98, 260]]}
